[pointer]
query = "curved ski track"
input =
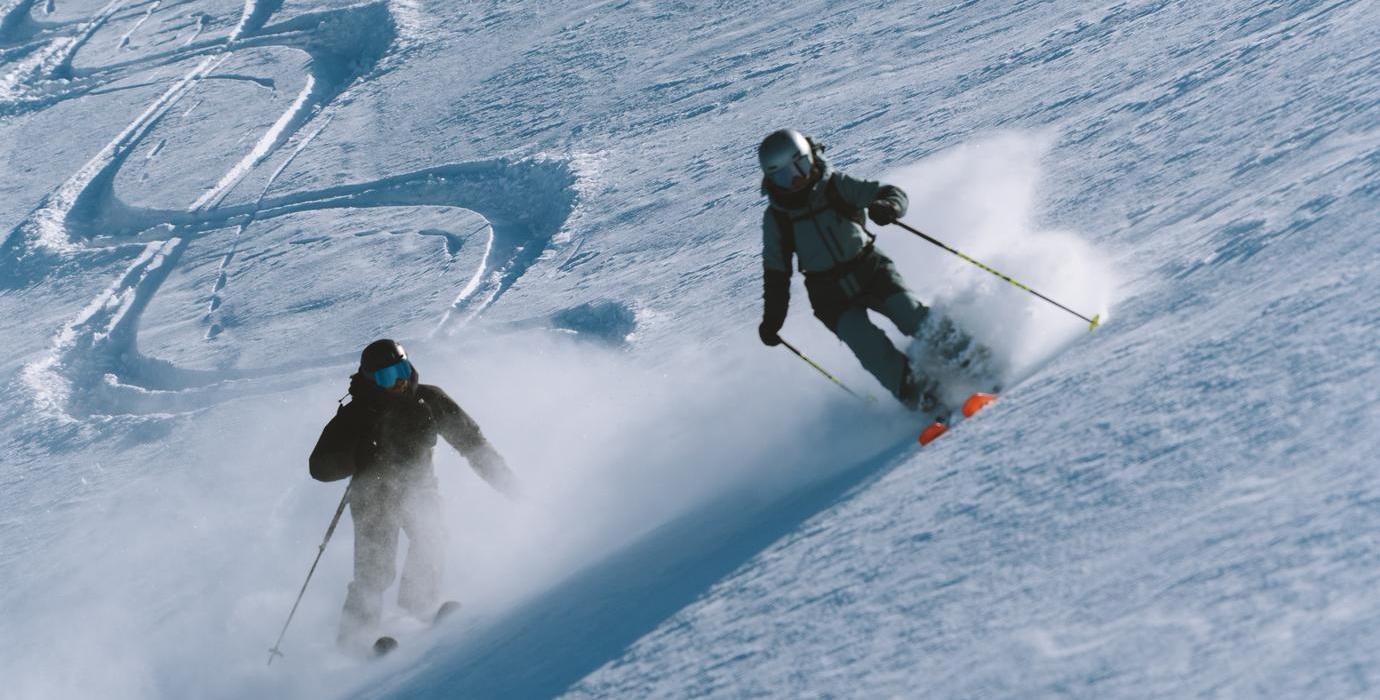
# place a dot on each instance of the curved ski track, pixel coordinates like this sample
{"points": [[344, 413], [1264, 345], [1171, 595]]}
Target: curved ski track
{"points": [[94, 369]]}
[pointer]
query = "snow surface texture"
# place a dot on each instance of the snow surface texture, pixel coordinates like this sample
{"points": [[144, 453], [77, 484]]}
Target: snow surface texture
{"points": [[209, 206]]}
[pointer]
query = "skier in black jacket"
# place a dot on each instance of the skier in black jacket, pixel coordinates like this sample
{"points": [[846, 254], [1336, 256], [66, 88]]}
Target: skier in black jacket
{"points": [[383, 439]]}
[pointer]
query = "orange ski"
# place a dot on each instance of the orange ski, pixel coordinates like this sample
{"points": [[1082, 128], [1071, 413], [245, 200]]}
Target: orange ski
{"points": [[933, 432], [975, 403]]}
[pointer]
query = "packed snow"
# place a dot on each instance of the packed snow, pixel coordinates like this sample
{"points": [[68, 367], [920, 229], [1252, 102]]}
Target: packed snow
{"points": [[208, 207]]}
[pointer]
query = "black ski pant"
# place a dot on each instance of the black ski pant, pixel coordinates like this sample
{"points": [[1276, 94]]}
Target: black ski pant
{"points": [[378, 518]]}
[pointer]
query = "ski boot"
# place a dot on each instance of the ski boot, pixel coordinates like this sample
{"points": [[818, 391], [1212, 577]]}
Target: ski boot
{"points": [[918, 393]]}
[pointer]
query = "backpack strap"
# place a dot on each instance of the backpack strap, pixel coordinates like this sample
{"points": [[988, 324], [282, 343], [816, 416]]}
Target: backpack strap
{"points": [[836, 200], [845, 208]]}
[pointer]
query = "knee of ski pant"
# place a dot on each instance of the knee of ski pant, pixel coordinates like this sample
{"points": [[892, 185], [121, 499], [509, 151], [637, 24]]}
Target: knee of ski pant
{"points": [[374, 572], [852, 326], [885, 280], [827, 309], [827, 301], [906, 312], [829, 316], [376, 551], [426, 543]]}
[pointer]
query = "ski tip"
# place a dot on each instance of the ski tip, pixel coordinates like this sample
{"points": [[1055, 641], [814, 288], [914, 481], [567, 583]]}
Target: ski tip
{"points": [[976, 403], [933, 432], [384, 645]]}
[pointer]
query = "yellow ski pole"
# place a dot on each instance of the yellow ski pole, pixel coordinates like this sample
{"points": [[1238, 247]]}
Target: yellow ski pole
{"points": [[826, 374], [1092, 322]]}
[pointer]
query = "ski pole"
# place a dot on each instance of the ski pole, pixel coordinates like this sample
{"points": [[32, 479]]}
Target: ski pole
{"points": [[822, 371], [1092, 322], [319, 551]]}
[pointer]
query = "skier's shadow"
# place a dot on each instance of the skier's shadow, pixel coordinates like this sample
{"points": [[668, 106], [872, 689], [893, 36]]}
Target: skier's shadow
{"points": [[541, 649]]}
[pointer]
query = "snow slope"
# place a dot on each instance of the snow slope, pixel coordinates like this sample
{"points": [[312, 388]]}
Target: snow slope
{"points": [[210, 206]]}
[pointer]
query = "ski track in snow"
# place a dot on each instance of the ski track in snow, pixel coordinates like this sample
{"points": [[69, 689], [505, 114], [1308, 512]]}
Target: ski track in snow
{"points": [[124, 39], [1100, 535], [222, 274], [95, 367]]}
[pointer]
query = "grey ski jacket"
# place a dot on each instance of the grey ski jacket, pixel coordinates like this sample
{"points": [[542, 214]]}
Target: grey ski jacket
{"points": [[824, 236], [826, 240]]}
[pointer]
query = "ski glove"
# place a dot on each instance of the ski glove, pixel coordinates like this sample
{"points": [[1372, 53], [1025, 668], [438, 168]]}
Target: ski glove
{"points": [[884, 212], [361, 386], [768, 334], [776, 299]]}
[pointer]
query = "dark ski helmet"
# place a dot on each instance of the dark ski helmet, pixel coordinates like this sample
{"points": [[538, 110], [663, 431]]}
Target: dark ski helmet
{"points": [[380, 354], [787, 159]]}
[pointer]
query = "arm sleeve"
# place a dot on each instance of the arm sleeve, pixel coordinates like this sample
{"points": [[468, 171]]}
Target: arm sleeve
{"points": [[463, 433], [861, 193], [334, 456], [773, 255], [776, 297], [776, 274]]}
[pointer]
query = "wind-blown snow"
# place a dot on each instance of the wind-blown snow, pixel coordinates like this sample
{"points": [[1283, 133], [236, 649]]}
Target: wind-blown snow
{"points": [[210, 206]]}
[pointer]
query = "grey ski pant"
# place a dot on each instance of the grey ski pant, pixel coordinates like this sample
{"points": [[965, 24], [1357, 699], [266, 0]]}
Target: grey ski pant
{"points": [[841, 300], [377, 521], [870, 344]]}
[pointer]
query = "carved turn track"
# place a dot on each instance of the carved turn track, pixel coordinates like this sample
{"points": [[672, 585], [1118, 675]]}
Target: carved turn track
{"points": [[95, 368]]}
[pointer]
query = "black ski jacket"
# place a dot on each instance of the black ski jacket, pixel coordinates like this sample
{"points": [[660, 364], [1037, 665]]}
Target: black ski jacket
{"points": [[390, 438]]}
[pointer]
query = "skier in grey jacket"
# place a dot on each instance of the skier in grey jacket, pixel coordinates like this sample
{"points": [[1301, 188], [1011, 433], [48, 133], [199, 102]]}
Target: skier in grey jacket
{"points": [[815, 214]]}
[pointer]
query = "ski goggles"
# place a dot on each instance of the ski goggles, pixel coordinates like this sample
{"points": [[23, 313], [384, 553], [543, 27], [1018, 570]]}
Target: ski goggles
{"points": [[390, 375], [785, 176]]}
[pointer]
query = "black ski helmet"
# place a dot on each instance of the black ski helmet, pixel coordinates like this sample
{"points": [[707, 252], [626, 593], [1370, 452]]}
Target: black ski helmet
{"points": [[380, 354]]}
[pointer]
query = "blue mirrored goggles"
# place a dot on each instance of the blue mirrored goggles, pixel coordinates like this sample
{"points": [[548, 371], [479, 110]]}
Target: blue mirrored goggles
{"points": [[388, 376], [786, 176]]}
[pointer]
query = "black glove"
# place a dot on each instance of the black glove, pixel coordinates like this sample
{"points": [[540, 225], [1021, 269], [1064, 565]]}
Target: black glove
{"points": [[361, 386], [768, 333], [884, 212], [776, 299], [366, 396]]}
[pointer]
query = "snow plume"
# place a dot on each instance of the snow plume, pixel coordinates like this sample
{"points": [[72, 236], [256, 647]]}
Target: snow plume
{"points": [[981, 198], [176, 583], [609, 446]]}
